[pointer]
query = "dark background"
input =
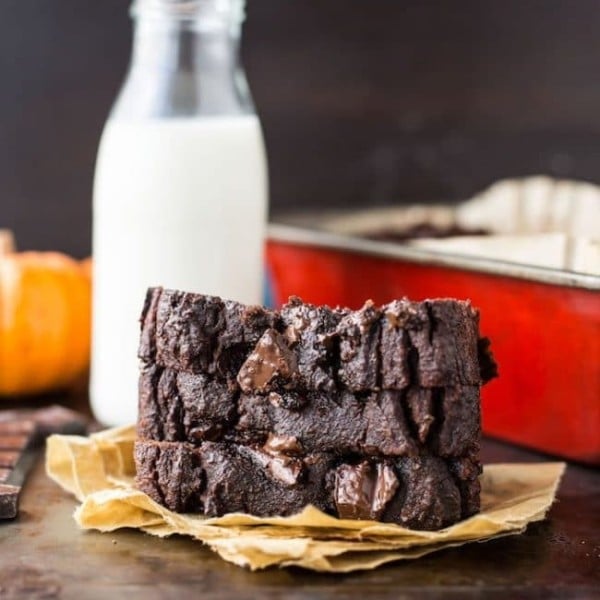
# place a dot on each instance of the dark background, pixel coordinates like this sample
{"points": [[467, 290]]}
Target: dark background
{"points": [[373, 102]]}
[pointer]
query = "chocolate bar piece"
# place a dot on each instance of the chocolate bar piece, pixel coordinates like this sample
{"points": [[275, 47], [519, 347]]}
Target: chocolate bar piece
{"points": [[21, 432], [42, 421], [16, 436], [9, 500]]}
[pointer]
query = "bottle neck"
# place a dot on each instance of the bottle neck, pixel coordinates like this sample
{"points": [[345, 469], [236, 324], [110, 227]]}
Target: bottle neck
{"points": [[184, 62], [200, 14], [181, 46]]}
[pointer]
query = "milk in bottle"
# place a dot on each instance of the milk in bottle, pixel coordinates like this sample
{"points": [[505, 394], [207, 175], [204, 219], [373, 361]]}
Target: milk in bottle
{"points": [[180, 191]]}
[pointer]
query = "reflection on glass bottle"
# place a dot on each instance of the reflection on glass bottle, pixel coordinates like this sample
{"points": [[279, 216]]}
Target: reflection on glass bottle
{"points": [[180, 193]]}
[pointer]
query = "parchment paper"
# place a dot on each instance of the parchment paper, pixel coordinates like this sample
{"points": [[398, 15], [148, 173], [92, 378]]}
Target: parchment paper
{"points": [[99, 472]]}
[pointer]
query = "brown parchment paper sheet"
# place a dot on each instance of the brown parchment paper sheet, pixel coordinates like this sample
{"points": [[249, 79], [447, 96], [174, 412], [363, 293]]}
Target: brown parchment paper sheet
{"points": [[99, 472]]}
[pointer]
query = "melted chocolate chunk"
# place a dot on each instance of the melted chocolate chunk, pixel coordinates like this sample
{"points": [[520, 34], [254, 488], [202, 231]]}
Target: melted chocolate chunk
{"points": [[287, 470], [275, 456], [386, 485], [282, 444], [363, 491], [290, 400], [271, 360]]}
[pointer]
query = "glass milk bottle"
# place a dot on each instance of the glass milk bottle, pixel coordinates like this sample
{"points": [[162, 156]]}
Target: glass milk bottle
{"points": [[180, 191]]}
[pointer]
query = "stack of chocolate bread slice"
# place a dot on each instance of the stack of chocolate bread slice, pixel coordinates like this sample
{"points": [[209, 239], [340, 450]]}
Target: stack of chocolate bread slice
{"points": [[367, 414]]}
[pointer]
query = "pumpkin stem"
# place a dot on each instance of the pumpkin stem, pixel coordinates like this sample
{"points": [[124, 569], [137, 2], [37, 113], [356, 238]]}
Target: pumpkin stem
{"points": [[7, 242]]}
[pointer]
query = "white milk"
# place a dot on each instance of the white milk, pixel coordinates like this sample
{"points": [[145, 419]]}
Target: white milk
{"points": [[179, 203]]}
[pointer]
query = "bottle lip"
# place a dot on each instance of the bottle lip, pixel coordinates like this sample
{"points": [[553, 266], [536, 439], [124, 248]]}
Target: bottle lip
{"points": [[231, 11]]}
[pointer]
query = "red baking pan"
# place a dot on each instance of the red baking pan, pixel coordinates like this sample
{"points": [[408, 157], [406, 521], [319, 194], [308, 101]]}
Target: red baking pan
{"points": [[544, 325]]}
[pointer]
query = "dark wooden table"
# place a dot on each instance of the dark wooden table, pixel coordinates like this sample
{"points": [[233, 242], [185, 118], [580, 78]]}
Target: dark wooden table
{"points": [[44, 555]]}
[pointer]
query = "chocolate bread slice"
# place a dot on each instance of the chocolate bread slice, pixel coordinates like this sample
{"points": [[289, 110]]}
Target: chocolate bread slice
{"points": [[434, 343], [423, 492], [181, 406], [371, 413]]}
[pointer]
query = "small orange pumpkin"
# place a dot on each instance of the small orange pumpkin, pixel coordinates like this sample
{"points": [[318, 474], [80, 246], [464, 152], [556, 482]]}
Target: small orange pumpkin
{"points": [[45, 320]]}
